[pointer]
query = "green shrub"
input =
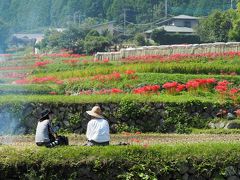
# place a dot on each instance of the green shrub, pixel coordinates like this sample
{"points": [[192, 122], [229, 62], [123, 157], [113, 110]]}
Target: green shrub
{"points": [[120, 162]]}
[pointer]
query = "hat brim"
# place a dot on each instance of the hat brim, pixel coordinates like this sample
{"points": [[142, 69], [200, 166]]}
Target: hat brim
{"points": [[45, 115], [94, 114]]}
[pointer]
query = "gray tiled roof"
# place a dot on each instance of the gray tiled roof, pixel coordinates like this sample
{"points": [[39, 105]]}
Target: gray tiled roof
{"points": [[173, 29], [182, 16]]}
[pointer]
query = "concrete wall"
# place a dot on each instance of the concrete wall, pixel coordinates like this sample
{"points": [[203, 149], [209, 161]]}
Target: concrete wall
{"points": [[167, 50]]}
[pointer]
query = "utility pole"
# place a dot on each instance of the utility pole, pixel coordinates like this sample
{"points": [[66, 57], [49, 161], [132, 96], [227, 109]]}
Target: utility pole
{"points": [[124, 21], [166, 8]]}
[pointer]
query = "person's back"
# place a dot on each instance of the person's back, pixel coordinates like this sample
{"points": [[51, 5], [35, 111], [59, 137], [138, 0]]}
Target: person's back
{"points": [[42, 131], [98, 130]]}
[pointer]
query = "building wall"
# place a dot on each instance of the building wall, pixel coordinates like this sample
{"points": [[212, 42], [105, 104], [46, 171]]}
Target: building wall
{"points": [[104, 27], [184, 22]]}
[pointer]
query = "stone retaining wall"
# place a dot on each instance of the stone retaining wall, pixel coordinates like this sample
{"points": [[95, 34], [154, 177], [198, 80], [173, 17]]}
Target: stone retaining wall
{"points": [[167, 50], [147, 117]]}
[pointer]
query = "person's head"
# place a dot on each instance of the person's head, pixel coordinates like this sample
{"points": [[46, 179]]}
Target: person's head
{"points": [[96, 112], [46, 114]]}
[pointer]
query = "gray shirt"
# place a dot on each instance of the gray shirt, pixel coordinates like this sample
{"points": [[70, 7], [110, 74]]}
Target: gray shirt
{"points": [[42, 132]]}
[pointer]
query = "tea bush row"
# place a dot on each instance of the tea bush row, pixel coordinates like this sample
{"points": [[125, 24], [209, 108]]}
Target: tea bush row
{"points": [[196, 161]]}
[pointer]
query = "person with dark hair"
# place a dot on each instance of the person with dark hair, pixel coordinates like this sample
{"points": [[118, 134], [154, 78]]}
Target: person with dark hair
{"points": [[45, 135], [97, 128]]}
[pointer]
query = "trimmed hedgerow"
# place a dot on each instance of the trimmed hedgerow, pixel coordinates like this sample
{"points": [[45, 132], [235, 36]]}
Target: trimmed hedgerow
{"points": [[202, 160], [157, 67], [187, 97], [144, 79], [28, 89]]}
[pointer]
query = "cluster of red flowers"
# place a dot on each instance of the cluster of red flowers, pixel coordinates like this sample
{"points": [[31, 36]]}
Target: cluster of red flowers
{"points": [[72, 62], [173, 87], [16, 68], [14, 75], [39, 80], [222, 86], [41, 63], [146, 89], [102, 91], [108, 77], [47, 79], [5, 55], [237, 112], [177, 57], [131, 74], [200, 83], [64, 55]]}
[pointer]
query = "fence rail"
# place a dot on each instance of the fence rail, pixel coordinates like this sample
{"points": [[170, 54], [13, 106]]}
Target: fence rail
{"points": [[167, 50]]}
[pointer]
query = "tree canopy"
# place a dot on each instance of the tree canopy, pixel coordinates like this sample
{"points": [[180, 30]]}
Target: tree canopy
{"points": [[32, 14]]}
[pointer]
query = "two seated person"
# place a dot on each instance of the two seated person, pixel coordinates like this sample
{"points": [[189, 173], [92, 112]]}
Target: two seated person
{"points": [[97, 130]]}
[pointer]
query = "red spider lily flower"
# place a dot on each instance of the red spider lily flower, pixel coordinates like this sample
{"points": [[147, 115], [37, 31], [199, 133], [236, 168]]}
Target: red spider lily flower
{"points": [[211, 80], [116, 90], [180, 87], [59, 82], [21, 81], [135, 140], [145, 145], [146, 89], [170, 85], [223, 83], [41, 63], [53, 93], [106, 60], [237, 112], [192, 84], [221, 89], [116, 75], [130, 72], [233, 91]]}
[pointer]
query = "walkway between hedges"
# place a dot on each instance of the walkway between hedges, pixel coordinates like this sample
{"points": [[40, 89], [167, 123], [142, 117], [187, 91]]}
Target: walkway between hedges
{"points": [[141, 139]]}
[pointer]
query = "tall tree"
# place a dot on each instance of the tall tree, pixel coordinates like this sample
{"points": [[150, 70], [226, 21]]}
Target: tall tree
{"points": [[4, 35]]}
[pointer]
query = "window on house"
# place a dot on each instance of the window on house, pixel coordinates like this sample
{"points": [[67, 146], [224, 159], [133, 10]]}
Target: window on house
{"points": [[187, 24]]}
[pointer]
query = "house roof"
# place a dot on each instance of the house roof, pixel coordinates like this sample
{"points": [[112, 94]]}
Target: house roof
{"points": [[182, 16], [29, 36], [102, 24], [173, 29]]}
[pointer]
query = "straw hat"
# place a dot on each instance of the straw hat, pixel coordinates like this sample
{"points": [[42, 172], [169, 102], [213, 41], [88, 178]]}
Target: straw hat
{"points": [[95, 112]]}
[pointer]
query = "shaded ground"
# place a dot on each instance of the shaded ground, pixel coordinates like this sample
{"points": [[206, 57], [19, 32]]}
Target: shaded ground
{"points": [[141, 139]]}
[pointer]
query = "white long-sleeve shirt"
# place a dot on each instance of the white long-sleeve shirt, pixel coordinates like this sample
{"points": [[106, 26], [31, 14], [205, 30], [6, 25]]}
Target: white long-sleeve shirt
{"points": [[98, 130]]}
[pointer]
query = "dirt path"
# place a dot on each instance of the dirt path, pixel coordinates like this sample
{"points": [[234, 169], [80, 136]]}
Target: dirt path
{"points": [[143, 139]]}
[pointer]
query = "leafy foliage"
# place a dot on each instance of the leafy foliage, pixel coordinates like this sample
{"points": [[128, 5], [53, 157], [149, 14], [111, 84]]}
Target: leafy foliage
{"points": [[131, 162]]}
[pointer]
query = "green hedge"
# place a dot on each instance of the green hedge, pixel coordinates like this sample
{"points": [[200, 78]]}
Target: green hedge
{"points": [[145, 79], [56, 99], [198, 161], [182, 67], [28, 89]]}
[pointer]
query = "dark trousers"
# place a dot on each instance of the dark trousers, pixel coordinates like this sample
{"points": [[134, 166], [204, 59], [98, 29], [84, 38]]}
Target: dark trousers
{"points": [[47, 144], [94, 143], [60, 140]]}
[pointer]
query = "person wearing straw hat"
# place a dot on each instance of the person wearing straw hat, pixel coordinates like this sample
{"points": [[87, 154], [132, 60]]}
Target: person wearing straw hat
{"points": [[97, 128], [45, 135]]}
